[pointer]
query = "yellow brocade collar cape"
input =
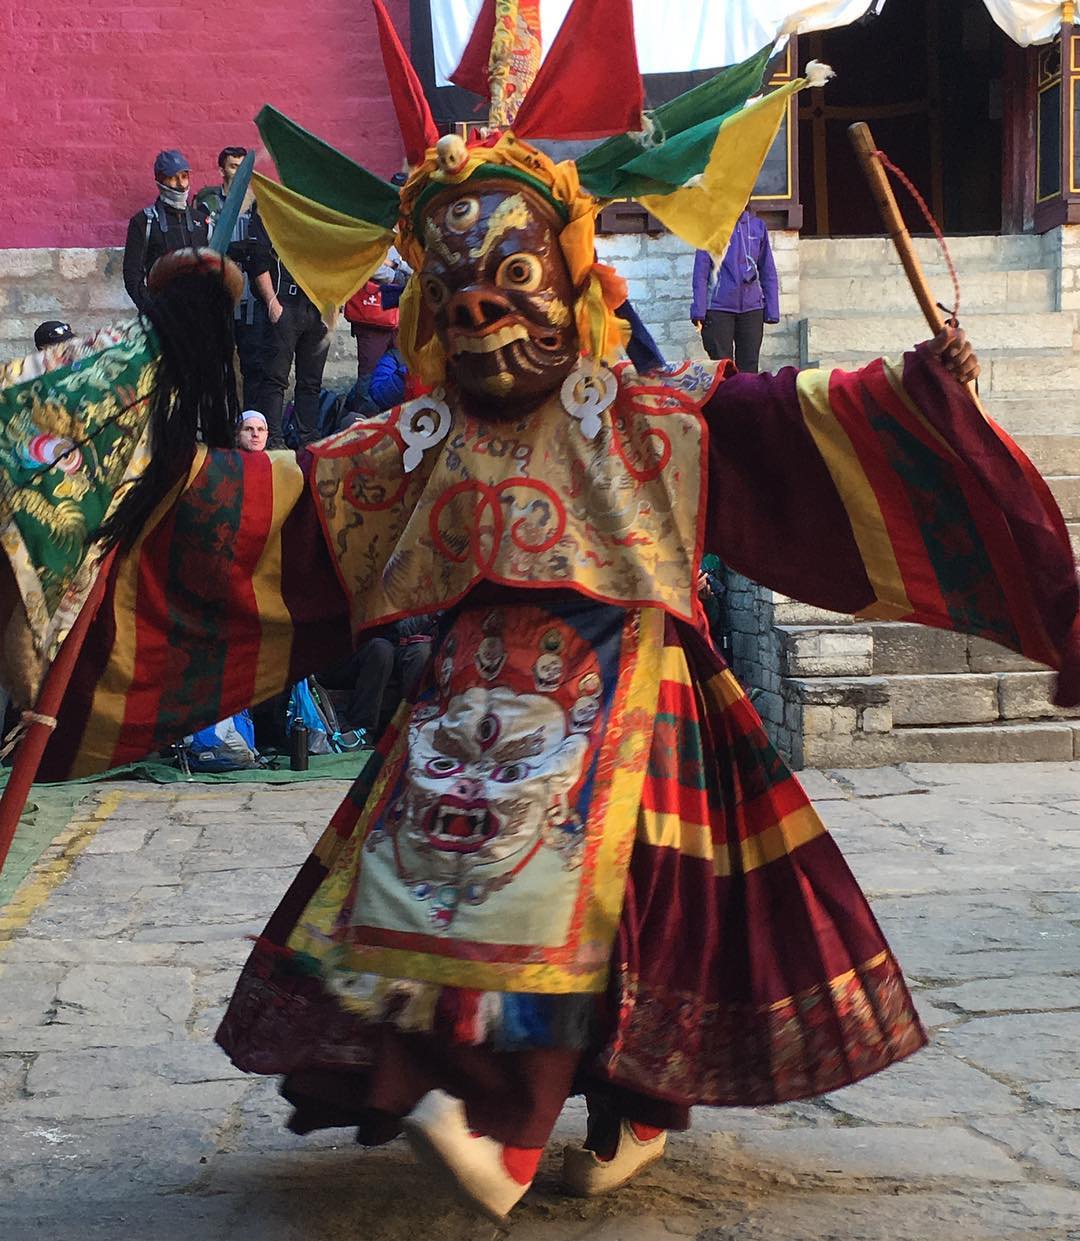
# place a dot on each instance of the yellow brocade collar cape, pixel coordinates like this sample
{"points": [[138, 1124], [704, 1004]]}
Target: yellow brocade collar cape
{"points": [[532, 503]]}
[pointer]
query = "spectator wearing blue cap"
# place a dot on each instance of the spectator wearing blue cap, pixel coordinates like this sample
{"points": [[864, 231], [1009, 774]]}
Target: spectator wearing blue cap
{"points": [[169, 223]]}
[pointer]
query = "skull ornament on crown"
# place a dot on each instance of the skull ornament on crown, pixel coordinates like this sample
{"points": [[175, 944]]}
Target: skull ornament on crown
{"points": [[507, 294], [496, 763]]}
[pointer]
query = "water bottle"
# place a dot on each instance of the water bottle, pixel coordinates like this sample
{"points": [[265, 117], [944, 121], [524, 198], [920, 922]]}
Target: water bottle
{"points": [[298, 747]]}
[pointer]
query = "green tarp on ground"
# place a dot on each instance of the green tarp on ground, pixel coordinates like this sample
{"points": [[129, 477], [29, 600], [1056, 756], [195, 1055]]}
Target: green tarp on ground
{"points": [[49, 809]]}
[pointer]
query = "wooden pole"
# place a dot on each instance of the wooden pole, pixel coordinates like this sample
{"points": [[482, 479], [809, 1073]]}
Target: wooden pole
{"points": [[32, 745], [863, 142]]}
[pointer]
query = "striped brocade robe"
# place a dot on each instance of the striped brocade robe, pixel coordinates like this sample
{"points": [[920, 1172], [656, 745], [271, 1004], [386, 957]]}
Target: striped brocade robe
{"points": [[577, 836]]}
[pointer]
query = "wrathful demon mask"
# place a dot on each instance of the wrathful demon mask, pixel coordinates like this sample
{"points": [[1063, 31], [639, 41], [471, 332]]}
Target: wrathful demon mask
{"points": [[497, 754], [497, 293]]}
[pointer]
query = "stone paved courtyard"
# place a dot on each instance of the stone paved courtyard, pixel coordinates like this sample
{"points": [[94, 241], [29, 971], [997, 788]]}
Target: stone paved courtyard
{"points": [[120, 1119]]}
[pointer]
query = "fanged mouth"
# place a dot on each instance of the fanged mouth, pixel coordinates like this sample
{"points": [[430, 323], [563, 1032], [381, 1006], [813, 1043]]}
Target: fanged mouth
{"points": [[460, 829], [490, 340]]}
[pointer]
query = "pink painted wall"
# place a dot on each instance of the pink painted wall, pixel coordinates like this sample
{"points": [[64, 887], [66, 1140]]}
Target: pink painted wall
{"points": [[90, 93]]}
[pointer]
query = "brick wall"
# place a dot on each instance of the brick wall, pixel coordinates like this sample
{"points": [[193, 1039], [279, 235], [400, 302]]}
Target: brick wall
{"points": [[89, 93]]}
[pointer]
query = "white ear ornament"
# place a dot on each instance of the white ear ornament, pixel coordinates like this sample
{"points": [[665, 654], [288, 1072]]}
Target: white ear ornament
{"points": [[424, 423], [586, 392]]}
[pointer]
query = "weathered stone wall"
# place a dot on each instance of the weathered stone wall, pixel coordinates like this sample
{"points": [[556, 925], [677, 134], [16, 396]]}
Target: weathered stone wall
{"points": [[658, 270], [1062, 246], [85, 288]]}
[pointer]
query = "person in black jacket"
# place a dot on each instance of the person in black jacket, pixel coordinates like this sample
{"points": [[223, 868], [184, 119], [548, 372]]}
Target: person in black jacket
{"points": [[169, 223], [381, 672], [295, 330]]}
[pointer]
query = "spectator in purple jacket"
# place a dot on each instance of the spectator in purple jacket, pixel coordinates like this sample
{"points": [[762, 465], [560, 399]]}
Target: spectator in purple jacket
{"points": [[734, 298]]}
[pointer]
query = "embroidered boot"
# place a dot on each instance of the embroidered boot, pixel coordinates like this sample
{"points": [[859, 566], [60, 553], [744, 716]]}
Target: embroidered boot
{"points": [[484, 1173], [609, 1162]]}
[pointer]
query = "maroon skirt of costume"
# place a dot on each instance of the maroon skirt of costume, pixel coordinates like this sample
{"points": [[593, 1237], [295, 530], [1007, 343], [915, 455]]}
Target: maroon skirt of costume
{"points": [[747, 968]]}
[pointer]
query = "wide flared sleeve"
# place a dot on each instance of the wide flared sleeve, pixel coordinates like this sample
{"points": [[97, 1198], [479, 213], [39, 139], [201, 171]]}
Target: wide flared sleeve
{"points": [[228, 596], [887, 493]]}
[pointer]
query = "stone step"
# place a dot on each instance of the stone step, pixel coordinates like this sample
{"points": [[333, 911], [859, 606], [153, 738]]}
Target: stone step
{"points": [[822, 649], [892, 334], [899, 718], [1051, 414], [926, 699], [1052, 454], [825, 650], [1016, 291], [825, 256], [1029, 696], [791, 612], [899, 648], [1037, 376], [919, 700], [1066, 489], [1049, 741]]}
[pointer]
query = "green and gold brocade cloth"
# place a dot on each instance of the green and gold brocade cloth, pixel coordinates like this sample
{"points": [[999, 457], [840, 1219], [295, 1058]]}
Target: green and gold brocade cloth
{"points": [[72, 423]]}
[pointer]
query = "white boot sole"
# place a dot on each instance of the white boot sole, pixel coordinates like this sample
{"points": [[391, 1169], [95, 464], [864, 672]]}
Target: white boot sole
{"points": [[585, 1176], [448, 1155]]}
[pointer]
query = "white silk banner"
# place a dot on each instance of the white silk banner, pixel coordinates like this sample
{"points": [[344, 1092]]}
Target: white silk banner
{"points": [[1027, 21], [675, 36]]}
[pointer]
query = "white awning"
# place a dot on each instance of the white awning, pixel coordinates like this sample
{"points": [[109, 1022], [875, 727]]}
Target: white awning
{"points": [[1027, 21], [675, 36]]}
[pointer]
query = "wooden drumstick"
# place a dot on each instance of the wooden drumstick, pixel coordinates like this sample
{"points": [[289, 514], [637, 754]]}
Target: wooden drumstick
{"points": [[865, 147], [866, 151]]}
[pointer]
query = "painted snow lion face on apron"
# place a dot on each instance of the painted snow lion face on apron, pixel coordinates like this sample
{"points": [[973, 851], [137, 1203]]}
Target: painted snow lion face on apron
{"points": [[494, 765], [499, 295]]}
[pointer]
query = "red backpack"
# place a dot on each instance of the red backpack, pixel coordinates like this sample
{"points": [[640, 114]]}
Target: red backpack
{"points": [[365, 307]]}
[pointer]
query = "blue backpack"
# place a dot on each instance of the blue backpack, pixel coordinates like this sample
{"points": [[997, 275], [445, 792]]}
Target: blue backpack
{"points": [[310, 704], [228, 745], [330, 406]]}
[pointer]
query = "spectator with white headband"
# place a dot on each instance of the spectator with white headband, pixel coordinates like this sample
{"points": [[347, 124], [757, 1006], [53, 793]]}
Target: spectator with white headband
{"points": [[252, 432]]}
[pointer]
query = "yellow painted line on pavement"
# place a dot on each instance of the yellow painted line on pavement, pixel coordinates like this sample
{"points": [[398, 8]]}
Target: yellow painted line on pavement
{"points": [[49, 873], [46, 875]]}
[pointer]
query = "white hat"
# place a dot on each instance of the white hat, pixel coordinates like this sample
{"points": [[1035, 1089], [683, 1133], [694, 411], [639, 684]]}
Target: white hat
{"points": [[253, 415]]}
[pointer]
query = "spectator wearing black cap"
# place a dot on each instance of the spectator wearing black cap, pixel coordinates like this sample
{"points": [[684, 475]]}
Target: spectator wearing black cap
{"points": [[212, 197], [52, 332], [169, 223]]}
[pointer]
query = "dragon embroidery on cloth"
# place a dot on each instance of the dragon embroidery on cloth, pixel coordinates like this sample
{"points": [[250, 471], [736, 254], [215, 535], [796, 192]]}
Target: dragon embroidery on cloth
{"points": [[73, 420]]}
